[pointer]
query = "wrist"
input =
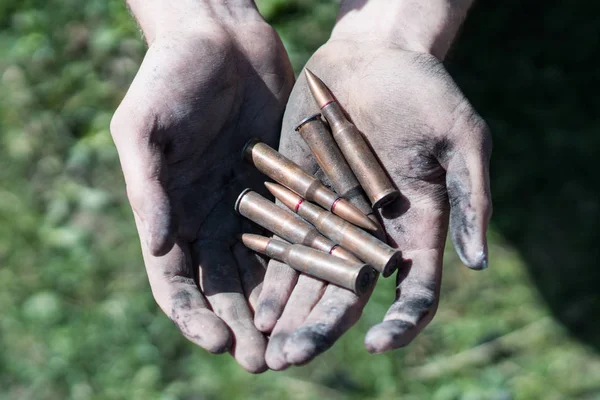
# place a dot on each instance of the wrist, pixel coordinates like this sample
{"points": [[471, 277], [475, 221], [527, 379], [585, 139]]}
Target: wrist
{"points": [[164, 19], [415, 25]]}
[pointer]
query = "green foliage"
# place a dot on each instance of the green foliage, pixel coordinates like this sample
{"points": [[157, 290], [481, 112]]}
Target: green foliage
{"points": [[78, 319]]}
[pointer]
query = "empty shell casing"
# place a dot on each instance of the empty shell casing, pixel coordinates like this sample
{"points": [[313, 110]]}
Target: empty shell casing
{"points": [[352, 275], [286, 172], [371, 250], [286, 225], [354, 147], [329, 157]]}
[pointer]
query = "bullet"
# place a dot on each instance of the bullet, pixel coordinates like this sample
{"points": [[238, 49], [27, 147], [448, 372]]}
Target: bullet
{"points": [[352, 275], [329, 157], [286, 225], [356, 150], [279, 168], [371, 250]]}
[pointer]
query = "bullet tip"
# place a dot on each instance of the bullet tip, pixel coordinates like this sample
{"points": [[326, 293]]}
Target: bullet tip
{"points": [[255, 242], [319, 90], [344, 209], [290, 199]]}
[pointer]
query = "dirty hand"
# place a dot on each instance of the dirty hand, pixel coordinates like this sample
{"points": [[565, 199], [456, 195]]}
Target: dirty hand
{"points": [[433, 145], [214, 76]]}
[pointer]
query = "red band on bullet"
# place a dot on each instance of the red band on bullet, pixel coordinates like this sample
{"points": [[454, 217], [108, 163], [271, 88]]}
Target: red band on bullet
{"points": [[333, 248], [298, 205], [267, 245], [335, 203], [329, 102]]}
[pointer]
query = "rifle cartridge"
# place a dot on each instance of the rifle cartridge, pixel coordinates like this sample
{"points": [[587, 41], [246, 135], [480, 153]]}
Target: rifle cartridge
{"points": [[368, 248], [284, 171], [352, 275], [357, 152], [285, 224]]}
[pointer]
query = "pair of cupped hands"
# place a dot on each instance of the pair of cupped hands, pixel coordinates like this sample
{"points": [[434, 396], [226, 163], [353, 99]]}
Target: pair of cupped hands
{"points": [[201, 94]]}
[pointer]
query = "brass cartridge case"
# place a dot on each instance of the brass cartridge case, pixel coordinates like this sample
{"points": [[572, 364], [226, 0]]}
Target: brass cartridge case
{"points": [[285, 224], [329, 157], [282, 170], [357, 152], [352, 275], [371, 250]]}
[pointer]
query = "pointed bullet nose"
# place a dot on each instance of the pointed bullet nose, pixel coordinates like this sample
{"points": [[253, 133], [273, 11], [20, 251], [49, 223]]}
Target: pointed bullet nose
{"points": [[255, 242], [290, 199], [319, 90], [344, 209]]}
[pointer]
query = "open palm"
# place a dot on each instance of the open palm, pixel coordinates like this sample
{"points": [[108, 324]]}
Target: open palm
{"points": [[436, 149], [196, 100]]}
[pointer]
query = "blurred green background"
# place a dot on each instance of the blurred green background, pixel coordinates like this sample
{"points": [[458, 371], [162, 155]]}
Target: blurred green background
{"points": [[77, 320]]}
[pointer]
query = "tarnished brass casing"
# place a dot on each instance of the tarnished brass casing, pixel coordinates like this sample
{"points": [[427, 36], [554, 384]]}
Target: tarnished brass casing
{"points": [[357, 152], [285, 224], [368, 248], [329, 157], [352, 275], [282, 170]]}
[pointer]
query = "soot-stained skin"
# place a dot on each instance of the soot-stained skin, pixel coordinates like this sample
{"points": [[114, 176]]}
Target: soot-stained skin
{"points": [[335, 313], [436, 150], [196, 100]]}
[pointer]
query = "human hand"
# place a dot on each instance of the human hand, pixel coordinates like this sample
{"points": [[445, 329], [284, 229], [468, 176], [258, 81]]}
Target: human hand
{"points": [[214, 76], [436, 149]]}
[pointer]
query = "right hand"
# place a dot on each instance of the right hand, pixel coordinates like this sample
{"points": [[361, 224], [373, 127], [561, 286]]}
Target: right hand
{"points": [[203, 90]]}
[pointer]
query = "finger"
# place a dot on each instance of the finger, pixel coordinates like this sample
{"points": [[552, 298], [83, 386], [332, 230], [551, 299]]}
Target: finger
{"points": [[252, 268], [306, 294], [467, 179], [276, 290], [416, 302], [145, 172], [220, 283], [333, 315], [176, 293]]}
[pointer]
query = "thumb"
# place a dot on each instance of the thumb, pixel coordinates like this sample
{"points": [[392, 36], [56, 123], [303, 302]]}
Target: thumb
{"points": [[467, 180], [145, 171]]}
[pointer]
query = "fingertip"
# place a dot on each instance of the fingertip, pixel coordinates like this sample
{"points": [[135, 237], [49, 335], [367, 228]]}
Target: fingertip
{"points": [[218, 347], [254, 365], [266, 315], [298, 353], [480, 262], [249, 346], [305, 345], [274, 356], [475, 259], [388, 335], [216, 340]]}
